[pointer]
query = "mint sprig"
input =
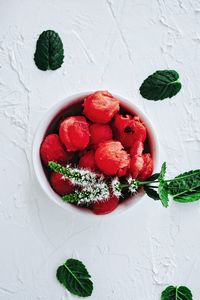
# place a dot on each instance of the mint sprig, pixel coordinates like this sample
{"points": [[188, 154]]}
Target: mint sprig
{"points": [[75, 278], [183, 188], [160, 85], [176, 293]]}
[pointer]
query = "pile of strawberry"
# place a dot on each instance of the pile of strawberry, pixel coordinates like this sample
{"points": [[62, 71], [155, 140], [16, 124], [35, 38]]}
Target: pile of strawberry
{"points": [[105, 141]]}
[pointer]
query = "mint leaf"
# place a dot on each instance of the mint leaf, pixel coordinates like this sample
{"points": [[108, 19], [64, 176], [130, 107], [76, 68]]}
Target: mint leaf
{"points": [[186, 187], [163, 193], [162, 174], [163, 186], [151, 193], [75, 278], [160, 85], [190, 197], [176, 293], [153, 177], [49, 52]]}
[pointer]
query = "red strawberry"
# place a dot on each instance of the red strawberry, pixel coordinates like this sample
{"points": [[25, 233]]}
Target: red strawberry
{"points": [[147, 169], [74, 133], [60, 185], [129, 129], [105, 207], [100, 107], [87, 161], [111, 159], [52, 149], [100, 133], [136, 165], [137, 148]]}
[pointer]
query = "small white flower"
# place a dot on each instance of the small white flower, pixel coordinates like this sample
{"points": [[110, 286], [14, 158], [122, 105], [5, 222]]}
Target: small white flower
{"points": [[130, 180], [116, 189], [132, 189], [132, 185]]}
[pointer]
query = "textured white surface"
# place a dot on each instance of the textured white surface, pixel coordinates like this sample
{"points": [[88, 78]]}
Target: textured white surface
{"points": [[110, 45]]}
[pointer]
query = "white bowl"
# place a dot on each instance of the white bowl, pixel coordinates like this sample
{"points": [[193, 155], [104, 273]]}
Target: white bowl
{"points": [[39, 171]]}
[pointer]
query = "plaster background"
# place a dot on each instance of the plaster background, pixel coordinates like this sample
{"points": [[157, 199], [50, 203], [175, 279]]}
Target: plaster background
{"points": [[110, 45]]}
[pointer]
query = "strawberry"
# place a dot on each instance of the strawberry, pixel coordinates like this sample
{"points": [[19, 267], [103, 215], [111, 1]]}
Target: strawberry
{"points": [[147, 169], [74, 133], [100, 133], [87, 161], [137, 148], [129, 129], [104, 207], [100, 107], [112, 159], [136, 165], [52, 149], [60, 185]]}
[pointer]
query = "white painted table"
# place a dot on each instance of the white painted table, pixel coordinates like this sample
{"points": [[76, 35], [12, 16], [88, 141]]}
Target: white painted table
{"points": [[110, 45]]}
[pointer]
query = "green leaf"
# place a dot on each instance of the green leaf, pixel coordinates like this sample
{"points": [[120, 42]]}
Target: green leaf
{"points": [[186, 187], [151, 193], [160, 85], [153, 177], [49, 52], [75, 278], [188, 198], [163, 193], [161, 177], [176, 293]]}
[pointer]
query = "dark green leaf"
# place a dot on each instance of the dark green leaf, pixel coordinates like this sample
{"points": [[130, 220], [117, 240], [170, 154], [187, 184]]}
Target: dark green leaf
{"points": [[160, 85], [153, 177], [162, 172], [151, 193], [49, 52], [186, 187], [75, 278], [163, 193], [176, 293]]}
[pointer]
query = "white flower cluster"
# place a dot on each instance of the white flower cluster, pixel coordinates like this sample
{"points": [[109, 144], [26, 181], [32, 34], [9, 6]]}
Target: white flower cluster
{"points": [[81, 177], [95, 193]]}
